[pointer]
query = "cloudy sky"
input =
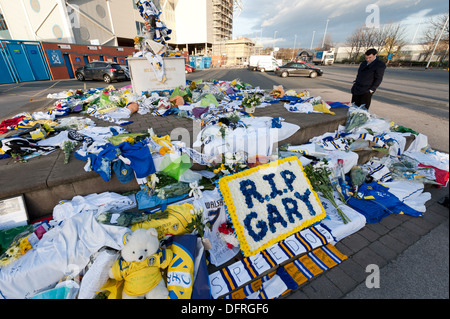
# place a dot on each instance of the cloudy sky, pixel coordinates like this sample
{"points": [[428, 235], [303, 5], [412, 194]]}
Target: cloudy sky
{"points": [[283, 19]]}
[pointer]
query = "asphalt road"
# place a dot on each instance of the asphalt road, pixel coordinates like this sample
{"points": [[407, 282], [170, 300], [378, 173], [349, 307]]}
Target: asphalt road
{"points": [[426, 91]]}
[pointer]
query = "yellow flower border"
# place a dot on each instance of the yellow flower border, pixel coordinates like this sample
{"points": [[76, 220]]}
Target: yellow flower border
{"points": [[224, 189]]}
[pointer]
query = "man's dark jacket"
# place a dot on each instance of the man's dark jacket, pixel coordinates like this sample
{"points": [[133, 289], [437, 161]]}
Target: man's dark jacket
{"points": [[369, 77]]}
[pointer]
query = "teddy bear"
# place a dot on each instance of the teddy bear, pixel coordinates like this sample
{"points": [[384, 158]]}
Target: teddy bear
{"points": [[140, 266]]}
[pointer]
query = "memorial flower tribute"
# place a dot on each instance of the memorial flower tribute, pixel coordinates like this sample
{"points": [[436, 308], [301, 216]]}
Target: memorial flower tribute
{"points": [[270, 202]]}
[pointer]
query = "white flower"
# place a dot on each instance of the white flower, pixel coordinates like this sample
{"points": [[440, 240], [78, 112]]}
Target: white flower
{"points": [[229, 155]]}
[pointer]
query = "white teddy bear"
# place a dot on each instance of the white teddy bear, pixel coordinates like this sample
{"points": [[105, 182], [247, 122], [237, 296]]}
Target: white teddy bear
{"points": [[140, 266]]}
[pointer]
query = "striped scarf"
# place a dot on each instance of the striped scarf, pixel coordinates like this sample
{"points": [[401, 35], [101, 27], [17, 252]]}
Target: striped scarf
{"points": [[292, 275]]}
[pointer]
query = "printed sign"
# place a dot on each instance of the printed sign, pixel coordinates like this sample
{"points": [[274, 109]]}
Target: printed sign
{"points": [[55, 57], [270, 202]]}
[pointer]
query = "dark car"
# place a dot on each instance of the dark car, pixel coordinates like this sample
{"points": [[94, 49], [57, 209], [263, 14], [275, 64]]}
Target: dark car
{"points": [[105, 71], [298, 69]]}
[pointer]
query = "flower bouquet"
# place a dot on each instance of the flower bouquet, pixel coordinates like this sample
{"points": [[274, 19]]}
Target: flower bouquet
{"points": [[227, 234], [17, 248], [319, 176], [357, 117], [197, 226], [250, 103], [68, 148]]}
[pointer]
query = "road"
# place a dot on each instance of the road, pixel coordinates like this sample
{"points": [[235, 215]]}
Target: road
{"points": [[415, 98]]}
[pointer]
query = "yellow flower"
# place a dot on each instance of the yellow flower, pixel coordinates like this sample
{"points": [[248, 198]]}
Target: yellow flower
{"points": [[218, 170], [25, 246]]}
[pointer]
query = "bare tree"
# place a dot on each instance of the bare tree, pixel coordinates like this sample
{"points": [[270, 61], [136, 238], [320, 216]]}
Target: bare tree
{"points": [[329, 44], [355, 42], [395, 39]]}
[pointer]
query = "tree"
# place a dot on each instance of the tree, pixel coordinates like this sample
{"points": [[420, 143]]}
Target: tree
{"points": [[386, 39], [355, 42], [394, 39], [329, 44]]}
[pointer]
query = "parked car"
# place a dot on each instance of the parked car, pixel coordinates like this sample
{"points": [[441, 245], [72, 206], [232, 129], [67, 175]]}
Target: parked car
{"points": [[105, 71], [189, 69], [298, 68]]}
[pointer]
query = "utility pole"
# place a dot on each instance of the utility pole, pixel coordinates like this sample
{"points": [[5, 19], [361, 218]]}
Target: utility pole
{"points": [[295, 43], [325, 34], [437, 42]]}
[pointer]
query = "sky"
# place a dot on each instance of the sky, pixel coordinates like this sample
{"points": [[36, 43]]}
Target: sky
{"points": [[302, 22]]}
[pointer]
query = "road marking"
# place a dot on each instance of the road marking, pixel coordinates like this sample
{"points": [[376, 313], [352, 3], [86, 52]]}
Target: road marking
{"points": [[46, 89], [17, 86]]}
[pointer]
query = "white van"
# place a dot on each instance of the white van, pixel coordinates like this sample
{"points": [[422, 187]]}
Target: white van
{"points": [[268, 63]]}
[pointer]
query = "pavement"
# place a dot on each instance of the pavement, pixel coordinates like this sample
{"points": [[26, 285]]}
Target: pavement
{"points": [[411, 253], [414, 250]]}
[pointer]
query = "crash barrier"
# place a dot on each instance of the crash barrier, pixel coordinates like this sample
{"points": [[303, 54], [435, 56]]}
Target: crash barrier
{"points": [[22, 61]]}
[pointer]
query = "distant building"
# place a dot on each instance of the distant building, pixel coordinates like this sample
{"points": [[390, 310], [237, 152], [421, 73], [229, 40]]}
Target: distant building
{"points": [[238, 51]]}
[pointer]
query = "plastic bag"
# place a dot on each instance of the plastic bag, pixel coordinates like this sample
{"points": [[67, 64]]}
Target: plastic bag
{"points": [[405, 168], [176, 167], [64, 290], [209, 99], [356, 118]]}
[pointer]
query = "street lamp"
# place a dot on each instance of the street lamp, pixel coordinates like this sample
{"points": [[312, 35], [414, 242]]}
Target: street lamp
{"points": [[314, 33], [274, 38], [295, 43], [325, 34], [437, 42]]}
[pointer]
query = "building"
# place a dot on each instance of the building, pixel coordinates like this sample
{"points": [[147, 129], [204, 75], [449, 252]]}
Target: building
{"points": [[238, 51], [197, 25], [93, 22]]}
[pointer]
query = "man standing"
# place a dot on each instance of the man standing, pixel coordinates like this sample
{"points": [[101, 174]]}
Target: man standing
{"points": [[370, 75]]}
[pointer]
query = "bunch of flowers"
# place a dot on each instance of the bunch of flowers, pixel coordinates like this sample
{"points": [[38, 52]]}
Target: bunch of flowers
{"points": [[227, 234], [68, 148], [250, 102], [198, 224], [319, 176], [231, 163], [357, 117], [19, 246]]}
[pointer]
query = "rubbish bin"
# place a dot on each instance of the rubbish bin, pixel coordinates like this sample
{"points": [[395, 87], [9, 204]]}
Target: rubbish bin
{"points": [[144, 79]]}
